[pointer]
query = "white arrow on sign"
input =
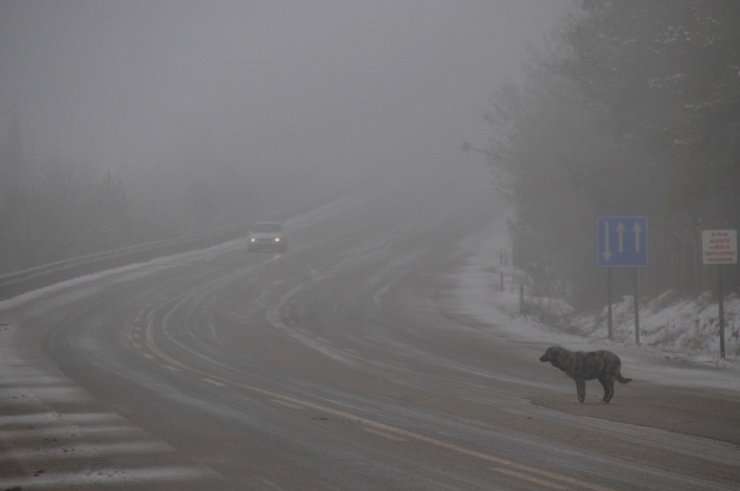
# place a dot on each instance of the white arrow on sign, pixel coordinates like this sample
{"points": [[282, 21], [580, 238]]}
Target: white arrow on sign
{"points": [[622, 241], [607, 253], [637, 230]]}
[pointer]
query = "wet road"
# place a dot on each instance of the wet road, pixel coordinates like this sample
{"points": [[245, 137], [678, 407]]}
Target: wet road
{"points": [[343, 364]]}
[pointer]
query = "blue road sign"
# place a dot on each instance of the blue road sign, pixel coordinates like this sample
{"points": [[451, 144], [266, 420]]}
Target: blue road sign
{"points": [[622, 242]]}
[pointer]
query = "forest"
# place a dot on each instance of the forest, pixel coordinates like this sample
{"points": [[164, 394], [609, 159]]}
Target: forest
{"points": [[633, 110], [56, 209]]}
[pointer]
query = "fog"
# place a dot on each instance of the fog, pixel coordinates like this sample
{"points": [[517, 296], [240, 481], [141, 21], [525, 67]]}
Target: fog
{"points": [[295, 94]]}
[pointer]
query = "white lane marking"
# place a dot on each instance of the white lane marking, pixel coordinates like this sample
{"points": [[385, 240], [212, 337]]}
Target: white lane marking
{"points": [[53, 392], [106, 476], [53, 418], [274, 316], [66, 451], [47, 441], [69, 431]]}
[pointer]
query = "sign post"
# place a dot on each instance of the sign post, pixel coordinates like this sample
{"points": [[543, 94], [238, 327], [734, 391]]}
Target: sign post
{"points": [[720, 247], [622, 242]]}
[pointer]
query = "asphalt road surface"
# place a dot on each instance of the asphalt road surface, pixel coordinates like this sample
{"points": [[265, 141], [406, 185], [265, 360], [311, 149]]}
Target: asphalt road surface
{"points": [[343, 364]]}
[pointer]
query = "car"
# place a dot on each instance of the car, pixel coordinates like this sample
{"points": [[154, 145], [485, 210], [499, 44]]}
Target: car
{"points": [[267, 236]]}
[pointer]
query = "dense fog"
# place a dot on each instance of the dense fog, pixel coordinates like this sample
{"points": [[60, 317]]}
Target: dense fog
{"points": [[129, 122], [257, 103]]}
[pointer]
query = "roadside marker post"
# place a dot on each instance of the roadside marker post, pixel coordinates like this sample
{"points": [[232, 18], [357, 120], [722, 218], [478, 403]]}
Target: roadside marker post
{"points": [[720, 247], [622, 242]]}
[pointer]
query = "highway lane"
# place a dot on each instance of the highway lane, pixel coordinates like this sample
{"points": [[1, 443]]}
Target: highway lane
{"points": [[340, 365]]}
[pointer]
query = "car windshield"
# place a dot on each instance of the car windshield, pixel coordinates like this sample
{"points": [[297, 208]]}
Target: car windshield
{"points": [[267, 227]]}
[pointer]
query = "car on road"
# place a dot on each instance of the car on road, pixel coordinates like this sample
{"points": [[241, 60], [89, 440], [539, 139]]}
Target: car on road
{"points": [[267, 236]]}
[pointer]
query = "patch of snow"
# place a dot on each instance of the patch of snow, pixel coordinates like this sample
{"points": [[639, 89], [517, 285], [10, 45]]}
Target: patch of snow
{"points": [[679, 341]]}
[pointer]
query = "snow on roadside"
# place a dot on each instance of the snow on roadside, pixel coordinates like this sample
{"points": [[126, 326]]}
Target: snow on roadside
{"points": [[677, 326], [139, 269], [128, 272], [679, 337]]}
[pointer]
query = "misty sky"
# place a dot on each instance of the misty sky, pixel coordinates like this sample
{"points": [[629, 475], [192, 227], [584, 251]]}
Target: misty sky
{"points": [[290, 86]]}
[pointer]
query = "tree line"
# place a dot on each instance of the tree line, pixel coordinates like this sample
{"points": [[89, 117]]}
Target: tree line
{"points": [[54, 210], [633, 109], [51, 212]]}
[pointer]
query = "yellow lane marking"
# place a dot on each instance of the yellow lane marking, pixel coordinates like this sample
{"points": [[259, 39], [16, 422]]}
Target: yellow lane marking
{"points": [[288, 404], [389, 436], [214, 382], [524, 477], [511, 465]]}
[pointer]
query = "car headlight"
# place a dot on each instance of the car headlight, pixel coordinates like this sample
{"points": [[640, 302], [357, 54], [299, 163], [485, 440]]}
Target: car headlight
{"points": [[278, 239], [252, 239]]}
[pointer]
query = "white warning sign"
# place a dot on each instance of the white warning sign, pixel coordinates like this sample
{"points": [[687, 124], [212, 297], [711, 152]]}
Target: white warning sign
{"points": [[719, 246]]}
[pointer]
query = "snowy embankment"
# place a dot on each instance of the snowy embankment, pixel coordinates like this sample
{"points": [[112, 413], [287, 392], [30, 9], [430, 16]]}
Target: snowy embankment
{"points": [[679, 337]]}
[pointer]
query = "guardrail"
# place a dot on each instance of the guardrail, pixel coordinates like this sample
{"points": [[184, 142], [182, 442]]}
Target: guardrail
{"points": [[19, 282]]}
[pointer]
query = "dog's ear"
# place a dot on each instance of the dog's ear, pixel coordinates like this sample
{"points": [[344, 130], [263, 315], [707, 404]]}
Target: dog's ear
{"points": [[547, 356]]}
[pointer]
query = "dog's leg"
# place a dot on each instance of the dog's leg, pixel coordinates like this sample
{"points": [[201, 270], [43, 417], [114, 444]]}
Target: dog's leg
{"points": [[608, 384], [611, 388], [581, 389]]}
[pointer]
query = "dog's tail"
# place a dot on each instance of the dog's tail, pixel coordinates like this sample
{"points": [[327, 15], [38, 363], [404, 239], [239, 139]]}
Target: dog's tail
{"points": [[621, 379]]}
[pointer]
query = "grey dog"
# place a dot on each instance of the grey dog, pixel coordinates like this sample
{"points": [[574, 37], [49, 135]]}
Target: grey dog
{"points": [[587, 365]]}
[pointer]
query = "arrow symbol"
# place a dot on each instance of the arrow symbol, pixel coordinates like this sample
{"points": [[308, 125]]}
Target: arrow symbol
{"points": [[607, 253], [620, 237], [637, 230]]}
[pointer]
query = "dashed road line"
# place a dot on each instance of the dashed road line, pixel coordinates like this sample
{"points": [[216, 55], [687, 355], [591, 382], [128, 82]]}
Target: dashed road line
{"points": [[389, 436], [513, 467]]}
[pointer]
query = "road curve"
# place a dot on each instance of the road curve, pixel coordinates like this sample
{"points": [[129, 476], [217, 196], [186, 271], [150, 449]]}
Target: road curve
{"points": [[343, 364]]}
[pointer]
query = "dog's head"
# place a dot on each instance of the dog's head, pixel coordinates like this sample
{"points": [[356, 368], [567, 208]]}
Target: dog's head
{"points": [[551, 354]]}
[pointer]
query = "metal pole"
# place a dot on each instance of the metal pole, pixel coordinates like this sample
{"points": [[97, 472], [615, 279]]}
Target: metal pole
{"points": [[609, 301], [521, 299], [637, 312], [721, 315], [501, 263]]}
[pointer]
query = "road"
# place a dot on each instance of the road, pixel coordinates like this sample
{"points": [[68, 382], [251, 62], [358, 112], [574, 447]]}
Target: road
{"points": [[343, 364]]}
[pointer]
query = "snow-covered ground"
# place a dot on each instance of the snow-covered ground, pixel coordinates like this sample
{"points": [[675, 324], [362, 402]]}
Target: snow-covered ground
{"points": [[679, 342]]}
